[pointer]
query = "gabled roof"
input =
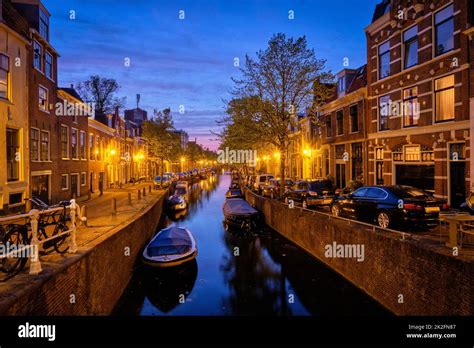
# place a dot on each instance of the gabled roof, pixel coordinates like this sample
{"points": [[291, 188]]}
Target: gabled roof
{"points": [[359, 81], [381, 9], [11, 17], [71, 91]]}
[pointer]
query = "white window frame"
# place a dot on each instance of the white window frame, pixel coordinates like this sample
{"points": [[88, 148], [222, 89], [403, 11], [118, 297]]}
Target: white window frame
{"points": [[61, 142], [52, 66], [85, 179], [41, 56], [39, 144], [46, 109], [49, 145], [67, 182], [77, 143]]}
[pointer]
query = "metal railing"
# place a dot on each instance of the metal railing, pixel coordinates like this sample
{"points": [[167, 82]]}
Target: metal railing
{"points": [[33, 217]]}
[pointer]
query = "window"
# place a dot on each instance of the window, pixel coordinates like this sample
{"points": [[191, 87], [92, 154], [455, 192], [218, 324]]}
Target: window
{"points": [[98, 152], [341, 85], [340, 122], [91, 147], [379, 157], [64, 182], [38, 54], [384, 112], [48, 65], [82, 143], [412, 153], [83, 179], [362, 192], [444, 99], [64, 142], [44, 146], [74, 153], [15, 198], [34, 144], [43, 98], [4, 75], [328, 126], [444, 30], [376, 193], [44, 25], [384, 60], [354, 118], [410, 41], [13, 152], [357, 162], [411, 107]]}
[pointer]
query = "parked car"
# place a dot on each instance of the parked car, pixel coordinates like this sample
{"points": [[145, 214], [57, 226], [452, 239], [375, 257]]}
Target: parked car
{"points": [[260, 181], [391, 206], [468, 205], [311, 193], [272, 188], [161, 182]]}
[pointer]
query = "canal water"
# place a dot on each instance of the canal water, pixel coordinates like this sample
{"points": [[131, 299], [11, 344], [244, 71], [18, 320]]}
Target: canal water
{"points": [[263, 274]]}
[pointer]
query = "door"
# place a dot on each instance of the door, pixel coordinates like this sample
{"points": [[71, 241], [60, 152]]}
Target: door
{"points": [[353, 202], [91, 182], [457, 183], [340, 175], [74, 185], [40, 187], [101, 182]]}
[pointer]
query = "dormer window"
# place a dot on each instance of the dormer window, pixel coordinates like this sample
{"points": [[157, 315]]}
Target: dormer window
{"points": [[341, 85], [44, 25]]}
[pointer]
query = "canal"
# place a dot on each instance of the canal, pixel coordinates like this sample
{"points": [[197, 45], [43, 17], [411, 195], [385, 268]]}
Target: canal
{"points": [[264, 274]]}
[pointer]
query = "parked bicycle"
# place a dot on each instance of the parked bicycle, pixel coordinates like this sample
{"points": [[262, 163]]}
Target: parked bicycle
{"points": [[18, 236]]}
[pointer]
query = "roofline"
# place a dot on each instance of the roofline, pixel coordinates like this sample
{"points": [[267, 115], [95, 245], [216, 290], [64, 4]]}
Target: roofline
{"points": [[378, 24]]}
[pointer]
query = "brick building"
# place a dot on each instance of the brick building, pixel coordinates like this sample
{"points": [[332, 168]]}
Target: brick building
{"points": [[72, 122], [418, 96], [14, 64], [343, 153], [42, 92]]}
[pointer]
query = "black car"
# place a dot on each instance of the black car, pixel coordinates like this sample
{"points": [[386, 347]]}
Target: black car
{"points": [[390, 206], [311, 193]]}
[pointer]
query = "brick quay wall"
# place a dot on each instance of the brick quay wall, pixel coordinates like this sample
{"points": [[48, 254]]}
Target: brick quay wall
{"points": [[92, 281], [408, 276]]}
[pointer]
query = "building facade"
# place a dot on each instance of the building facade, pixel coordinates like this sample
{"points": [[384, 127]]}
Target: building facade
{"points": [[14, 64], [418, 97], [343, 151]]}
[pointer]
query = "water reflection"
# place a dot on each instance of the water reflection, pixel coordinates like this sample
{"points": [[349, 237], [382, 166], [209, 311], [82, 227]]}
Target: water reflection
{"points": [[237, 274]]}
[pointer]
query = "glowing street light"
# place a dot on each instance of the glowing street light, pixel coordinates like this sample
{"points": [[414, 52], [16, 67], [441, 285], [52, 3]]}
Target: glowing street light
{"points": [[113, 152]]}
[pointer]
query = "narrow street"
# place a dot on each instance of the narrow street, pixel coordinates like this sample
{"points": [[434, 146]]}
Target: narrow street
{"points": [[234, 275]]}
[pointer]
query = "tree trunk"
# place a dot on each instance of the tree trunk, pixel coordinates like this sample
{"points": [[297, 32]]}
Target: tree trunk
{"points": [[282, 173]]}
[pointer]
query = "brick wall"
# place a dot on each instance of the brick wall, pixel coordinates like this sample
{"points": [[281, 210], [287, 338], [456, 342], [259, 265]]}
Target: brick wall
{"points": [[97, 278], [431, 283]]}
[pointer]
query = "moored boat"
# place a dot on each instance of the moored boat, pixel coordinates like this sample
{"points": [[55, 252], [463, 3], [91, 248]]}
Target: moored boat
{"points": [[172, 246], [238, 213]]}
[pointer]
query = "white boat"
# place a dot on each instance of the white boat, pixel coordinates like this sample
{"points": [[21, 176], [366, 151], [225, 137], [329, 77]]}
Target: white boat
{"points": [[171, 246]]}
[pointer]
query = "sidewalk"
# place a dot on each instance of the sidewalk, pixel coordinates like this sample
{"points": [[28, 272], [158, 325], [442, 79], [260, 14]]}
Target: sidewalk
{"points": [[101, 224]]}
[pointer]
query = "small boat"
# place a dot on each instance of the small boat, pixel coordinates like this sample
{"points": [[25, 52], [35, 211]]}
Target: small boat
{"points": [[238, 213], [234, 193], [176, 202], [172, 246]]}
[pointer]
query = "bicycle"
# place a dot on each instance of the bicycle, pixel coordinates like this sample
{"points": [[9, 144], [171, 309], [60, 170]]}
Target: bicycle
{"points": [[18, 236]]}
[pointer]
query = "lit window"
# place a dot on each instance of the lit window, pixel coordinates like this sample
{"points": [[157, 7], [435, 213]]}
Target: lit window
{"points": [[43, 98], [384, 112], [44, 146], [13, 155], [444, 30], [444, 96], [411, 107], [410, 40], [64, 142], [34, 144]]}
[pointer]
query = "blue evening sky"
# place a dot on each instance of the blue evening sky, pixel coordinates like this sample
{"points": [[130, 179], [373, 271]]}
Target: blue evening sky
{"points": [[190, 62]]}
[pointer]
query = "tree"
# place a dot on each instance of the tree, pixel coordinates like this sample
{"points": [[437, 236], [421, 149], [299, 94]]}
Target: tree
{"points": [[101, 92], [280, 83], [159, 133]]}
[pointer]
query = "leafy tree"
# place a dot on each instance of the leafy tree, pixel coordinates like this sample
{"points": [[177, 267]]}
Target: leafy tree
{"points": [[283, 81], [101, 91], [159, 133]]}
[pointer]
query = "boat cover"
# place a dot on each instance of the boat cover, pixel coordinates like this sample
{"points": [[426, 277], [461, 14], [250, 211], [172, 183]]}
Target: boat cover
{"points": [[238, 206], [171, 241]]}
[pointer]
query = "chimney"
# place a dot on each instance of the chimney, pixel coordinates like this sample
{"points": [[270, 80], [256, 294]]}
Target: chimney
{"points": [[72, 85]]}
